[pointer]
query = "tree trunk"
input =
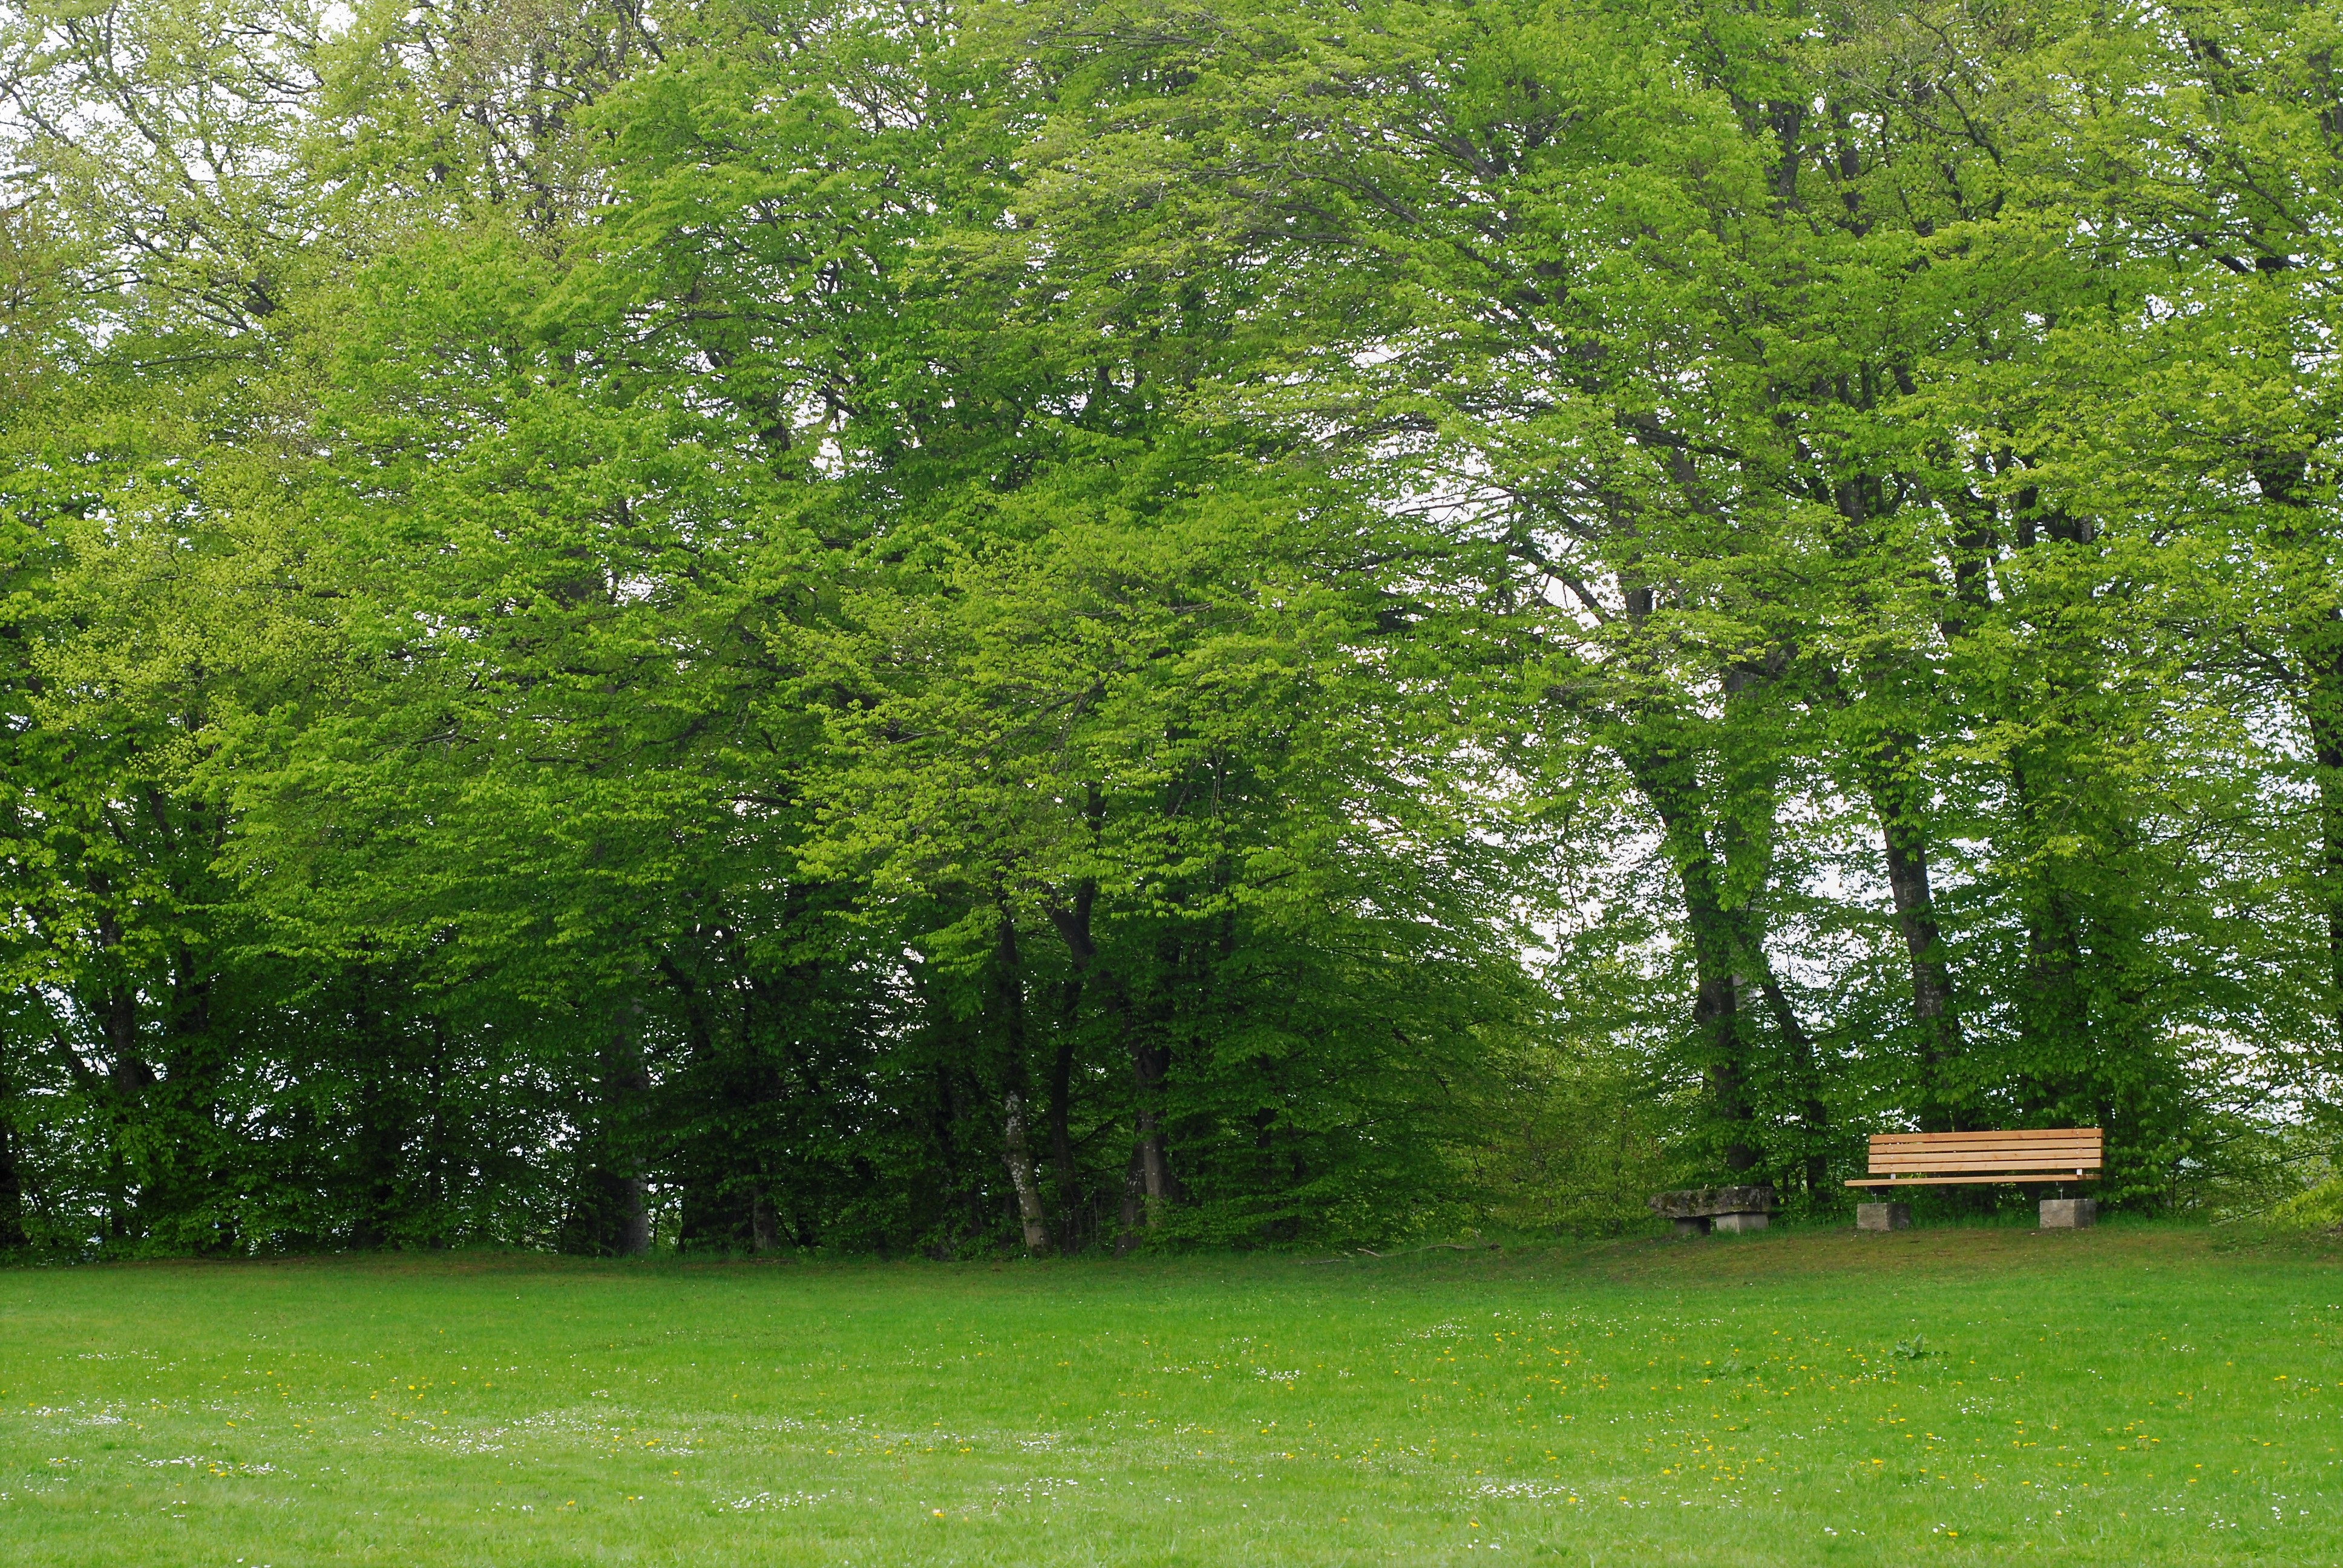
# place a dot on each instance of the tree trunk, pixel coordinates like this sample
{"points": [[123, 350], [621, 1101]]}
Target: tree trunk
{"points": [[1154, 1165], [1727, 946], [2054, 1021], [11, 1180], [1931, 985], [1010, 983], [1887, 768], [1072, 923], [764, 1227], [375, 1146], [1021, 1177], [627, 1080], [1150, 1061], [1807, 1069], [2326, 716], [1716, 1019], [1149, 1183], [610, 1217], [127, 1079], [1062, 1096], [2318, 640], [1133, 1190], [1666, 781], [2055, 1017]]}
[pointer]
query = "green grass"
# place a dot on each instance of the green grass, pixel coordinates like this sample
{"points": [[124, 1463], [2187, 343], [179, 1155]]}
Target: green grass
{"points": [[2136, 1394]]}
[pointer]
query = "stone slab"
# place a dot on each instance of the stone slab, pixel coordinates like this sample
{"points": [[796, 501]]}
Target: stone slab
{"points": [[1700, 1202], [2070, 1213], [1883, 1216]]}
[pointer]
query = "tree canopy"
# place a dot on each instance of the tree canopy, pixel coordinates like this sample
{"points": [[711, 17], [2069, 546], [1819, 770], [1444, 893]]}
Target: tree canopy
{"points": [[751, 623]]}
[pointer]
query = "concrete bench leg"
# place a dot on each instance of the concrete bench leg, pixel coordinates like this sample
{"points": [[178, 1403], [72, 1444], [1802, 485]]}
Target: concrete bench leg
{"points": [[1738, 1223], [1883, 1216], [1696, 1225], [2070, 1213]]}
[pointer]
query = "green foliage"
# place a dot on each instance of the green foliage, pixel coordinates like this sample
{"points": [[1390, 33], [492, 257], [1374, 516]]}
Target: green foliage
{"points": [[772, 625], [2319, 1208], [1577, 1144]]}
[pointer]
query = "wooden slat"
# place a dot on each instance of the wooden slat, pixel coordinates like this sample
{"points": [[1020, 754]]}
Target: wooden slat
{"points": [[1979, 1162], [2063, 1142], [1994, 1133], [1974, 1181], [1997, 1157], [1985, 1142], [1980, 1145], [1989, 1170], [2053, 1154], [1954, 1166]]}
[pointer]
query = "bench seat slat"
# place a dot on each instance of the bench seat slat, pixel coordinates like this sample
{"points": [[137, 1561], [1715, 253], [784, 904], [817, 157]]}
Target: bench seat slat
{"points": [[1983, 1139], [2001, 1135], [1970, 1181], [2000, 1156], [1982, 1162], [1987, 1151], [1961, 1140], [1981, 1146], [1974, 1167]]}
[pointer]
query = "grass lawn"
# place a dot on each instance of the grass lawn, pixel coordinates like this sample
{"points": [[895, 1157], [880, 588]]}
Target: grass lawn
{"points": [[2138, 1394]]}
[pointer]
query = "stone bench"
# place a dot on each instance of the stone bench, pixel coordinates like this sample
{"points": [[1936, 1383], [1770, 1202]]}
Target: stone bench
{"points": [[1697, 1211]]}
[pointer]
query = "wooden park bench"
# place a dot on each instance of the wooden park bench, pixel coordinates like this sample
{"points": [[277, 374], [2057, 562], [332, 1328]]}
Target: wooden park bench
{"points": [[1959, 1159]]}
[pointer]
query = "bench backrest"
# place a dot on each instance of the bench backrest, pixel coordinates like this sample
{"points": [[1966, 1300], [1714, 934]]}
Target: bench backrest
{"points": [[2046, 1150]]}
